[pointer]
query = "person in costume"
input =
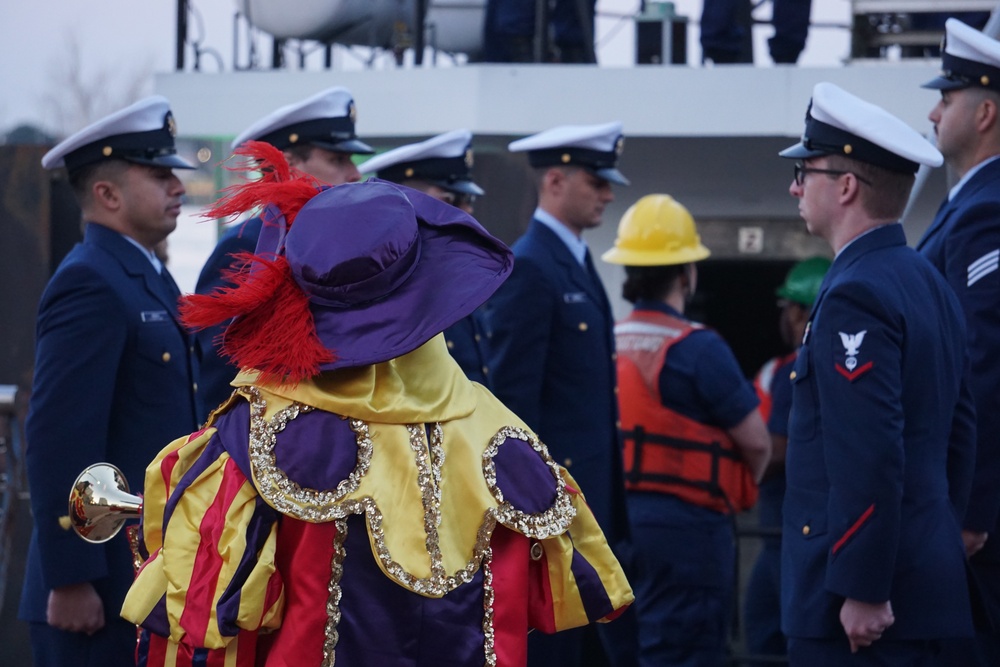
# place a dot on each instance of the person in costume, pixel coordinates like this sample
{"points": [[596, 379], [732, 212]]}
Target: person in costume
{"points": [[358, 501], [694, 443]]}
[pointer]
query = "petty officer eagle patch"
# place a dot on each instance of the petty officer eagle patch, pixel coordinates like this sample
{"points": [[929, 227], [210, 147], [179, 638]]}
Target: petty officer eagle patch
{"points": [[850, 363]]}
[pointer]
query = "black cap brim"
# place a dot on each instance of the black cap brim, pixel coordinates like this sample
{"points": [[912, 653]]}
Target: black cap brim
{"points": [[172, 161], [612, 176], [464, 187], [800, 152], [945, 83], [352, 146]]}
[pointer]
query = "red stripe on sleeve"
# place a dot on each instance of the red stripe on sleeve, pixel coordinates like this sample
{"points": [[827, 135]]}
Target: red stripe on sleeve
{"points": [[200, 597], [853, 529]]}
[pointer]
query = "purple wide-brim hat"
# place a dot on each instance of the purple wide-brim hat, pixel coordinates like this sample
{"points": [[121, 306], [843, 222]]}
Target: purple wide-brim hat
{"points": [[386, 268]]}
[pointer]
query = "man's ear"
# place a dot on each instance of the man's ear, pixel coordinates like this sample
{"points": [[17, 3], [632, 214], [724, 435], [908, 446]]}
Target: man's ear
{"points": [[986, 115], [106, 194]]}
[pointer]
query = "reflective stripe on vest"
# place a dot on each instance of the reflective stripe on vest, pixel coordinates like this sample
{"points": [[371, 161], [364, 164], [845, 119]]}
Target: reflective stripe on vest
{"points": [[664, 451]]}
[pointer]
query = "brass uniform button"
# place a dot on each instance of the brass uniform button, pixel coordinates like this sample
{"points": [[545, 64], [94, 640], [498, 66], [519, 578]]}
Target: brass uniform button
{"points": [[486, 370], [451, 345], [583, 326], [478, 338], [793, 375], [195, 387], [616, 391], [568, 462], [805, 530], [166, 357], [536, 551]]}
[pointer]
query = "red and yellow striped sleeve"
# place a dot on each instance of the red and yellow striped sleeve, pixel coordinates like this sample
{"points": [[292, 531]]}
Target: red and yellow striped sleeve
{"points": [[211, 576]]}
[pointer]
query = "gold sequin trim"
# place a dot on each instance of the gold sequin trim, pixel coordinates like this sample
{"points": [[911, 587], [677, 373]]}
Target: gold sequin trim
{"points": [[553, 521], [317, 506], [312, 505], [333, 602], [488, 597]]}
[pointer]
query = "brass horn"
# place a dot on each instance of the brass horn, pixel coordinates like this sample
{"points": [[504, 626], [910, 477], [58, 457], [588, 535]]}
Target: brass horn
{"points": [[100, 503]]}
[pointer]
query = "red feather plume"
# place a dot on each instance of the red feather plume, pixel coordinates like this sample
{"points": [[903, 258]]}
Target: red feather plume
{"points": [[271, 329]]}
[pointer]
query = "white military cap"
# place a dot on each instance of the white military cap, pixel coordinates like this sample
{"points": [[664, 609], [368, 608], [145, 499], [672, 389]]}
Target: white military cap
{"points": [[326, 120], [444, 161], [593, 147], [969, 58], [142, 133], [838, 123]]}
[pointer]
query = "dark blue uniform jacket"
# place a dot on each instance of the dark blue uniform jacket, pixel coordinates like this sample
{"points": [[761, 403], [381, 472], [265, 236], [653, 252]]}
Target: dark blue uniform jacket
{"points": [[963, 243], [114, 381], [881, 448]]}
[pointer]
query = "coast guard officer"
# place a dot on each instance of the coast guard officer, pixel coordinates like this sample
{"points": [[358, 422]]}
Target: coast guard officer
{"points": [[317, 137], [881, 434], [551, 353], [114, 376], [442, 167], [963, 243]]}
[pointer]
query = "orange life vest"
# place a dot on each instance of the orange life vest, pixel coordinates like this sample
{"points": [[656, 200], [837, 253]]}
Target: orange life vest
{"points": [[665, 451], [762, 383]]}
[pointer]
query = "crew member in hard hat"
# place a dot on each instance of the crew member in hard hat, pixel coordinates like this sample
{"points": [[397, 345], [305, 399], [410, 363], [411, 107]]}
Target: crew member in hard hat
{"points": [[358, 501], [551, 346], [442, 167], [963, 243], [114, 377], [695, 445], [762, 617], [317, 136], [881, 437]]}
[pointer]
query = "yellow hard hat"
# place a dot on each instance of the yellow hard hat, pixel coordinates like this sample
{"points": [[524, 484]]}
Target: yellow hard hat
{"points": [[656, 231]]}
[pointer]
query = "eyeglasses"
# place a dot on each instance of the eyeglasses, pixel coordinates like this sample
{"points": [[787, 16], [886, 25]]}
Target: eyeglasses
{"points": [[801, 170], [458, 199]]}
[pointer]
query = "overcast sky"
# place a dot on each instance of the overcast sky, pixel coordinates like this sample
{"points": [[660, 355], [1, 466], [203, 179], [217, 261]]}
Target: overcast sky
{"points": [[117, 44]]}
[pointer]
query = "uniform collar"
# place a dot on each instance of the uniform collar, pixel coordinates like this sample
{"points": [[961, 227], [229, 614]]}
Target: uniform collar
{"points": [[968, 176], [149, 254], [659, 306], [576, 245]]}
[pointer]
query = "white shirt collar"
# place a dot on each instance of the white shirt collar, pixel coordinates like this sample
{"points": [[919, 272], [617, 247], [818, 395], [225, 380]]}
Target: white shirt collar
{"points": [[150, 255], [577, 246], [968, 175]]}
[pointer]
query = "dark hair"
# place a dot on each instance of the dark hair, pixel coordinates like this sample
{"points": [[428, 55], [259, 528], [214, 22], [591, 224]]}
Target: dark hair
{"points": [[650, 282], [82, 178], [300, 151], [886, 197]]}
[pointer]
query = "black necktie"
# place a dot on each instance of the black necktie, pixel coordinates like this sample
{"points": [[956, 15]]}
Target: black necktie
{"points": [[591, 271], [171, 286]]}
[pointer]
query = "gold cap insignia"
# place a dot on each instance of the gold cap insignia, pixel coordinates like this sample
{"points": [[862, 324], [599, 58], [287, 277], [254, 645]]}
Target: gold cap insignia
{"points": [[620, 146], [171, 124], [352, 111], [468, 158], [565, 158], [847, 149], [107, 151], [985, 80], [294, 137], [409, 172]]}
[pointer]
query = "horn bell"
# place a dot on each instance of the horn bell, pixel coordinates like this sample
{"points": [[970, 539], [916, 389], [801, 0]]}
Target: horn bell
{"points": [[100, 503]]}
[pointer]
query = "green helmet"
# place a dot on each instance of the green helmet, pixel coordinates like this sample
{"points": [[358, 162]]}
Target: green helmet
{"points": [[803, 281]]}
